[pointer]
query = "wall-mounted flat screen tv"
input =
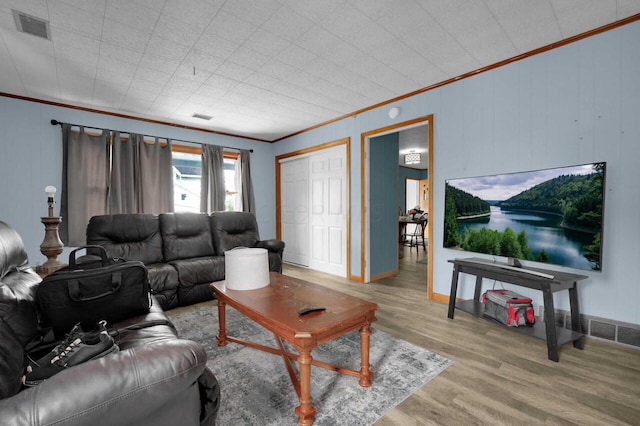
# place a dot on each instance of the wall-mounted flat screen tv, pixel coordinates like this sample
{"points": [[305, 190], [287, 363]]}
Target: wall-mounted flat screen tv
{"points": [[552, 216]]}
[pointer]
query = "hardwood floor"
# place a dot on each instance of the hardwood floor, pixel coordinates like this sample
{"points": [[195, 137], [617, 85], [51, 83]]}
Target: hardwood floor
{"points": [[499, 377]]}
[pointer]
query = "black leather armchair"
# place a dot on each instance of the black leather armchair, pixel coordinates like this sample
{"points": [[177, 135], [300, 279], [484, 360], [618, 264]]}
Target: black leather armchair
{"points": [[156, 378], [240, 229]]}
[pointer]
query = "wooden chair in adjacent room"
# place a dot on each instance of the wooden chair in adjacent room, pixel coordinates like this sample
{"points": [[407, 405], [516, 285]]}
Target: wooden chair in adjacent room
{"points": [[417, 238]]}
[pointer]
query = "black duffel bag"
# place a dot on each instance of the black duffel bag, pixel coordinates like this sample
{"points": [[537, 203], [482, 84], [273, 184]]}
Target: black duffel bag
{"points": [[87, 292]]}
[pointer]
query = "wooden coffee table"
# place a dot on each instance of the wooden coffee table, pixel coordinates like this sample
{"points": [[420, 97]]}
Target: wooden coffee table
{"points": [[275, 307]]}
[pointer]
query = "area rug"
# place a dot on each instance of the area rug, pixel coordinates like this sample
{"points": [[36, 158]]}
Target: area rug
{"points": [[256, 389]]}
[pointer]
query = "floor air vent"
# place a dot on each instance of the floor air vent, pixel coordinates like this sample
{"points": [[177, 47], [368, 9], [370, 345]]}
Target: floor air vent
{"points": [[31, 25]]}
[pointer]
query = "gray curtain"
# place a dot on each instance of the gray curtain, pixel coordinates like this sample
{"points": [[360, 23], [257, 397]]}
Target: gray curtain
{"points": [[99, 177], [85, 179], [122, 198], [141, 176], [154, 179], [248, 201], [212, 190]]}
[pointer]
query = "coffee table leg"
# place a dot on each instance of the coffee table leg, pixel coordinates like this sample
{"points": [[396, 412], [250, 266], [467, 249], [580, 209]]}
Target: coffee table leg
{"points": [[365, 373], [305, 410], [222, 333]]}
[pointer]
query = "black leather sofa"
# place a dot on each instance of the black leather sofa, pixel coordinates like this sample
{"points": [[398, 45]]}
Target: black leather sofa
{"points": [[155, 379], [184, 252]]}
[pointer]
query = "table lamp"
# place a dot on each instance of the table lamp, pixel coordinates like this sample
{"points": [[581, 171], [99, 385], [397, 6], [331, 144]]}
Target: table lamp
{"points": [[51, 246]]}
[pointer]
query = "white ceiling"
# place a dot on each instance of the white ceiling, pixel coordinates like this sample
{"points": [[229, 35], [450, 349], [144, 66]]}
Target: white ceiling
{"points": [[268, 68]]}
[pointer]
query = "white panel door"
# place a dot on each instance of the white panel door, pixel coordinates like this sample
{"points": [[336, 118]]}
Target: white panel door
{"points": [[328, 219], [294, 192]]}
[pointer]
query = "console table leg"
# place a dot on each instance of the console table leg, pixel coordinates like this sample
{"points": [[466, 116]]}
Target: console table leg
{"points": [[576, 324], [454, 291], [478, 290], [550, 323]]}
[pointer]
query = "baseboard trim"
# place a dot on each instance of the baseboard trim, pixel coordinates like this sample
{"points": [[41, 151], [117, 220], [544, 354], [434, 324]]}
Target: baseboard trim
{"points": [[385, 275]]}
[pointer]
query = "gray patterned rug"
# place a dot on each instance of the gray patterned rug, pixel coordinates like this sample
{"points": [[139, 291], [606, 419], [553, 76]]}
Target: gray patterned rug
{"points": [[256, 389]]}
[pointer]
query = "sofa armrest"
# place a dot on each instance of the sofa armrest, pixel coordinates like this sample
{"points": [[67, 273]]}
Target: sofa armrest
{"points": [[275, 246], [125, 387]]}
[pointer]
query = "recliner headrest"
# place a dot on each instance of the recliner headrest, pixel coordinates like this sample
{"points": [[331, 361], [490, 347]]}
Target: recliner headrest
{"points": [[13, 256]]}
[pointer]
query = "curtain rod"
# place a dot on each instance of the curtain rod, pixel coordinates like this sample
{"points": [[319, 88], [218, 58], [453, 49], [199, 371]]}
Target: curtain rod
{"points": [[55, 122]]}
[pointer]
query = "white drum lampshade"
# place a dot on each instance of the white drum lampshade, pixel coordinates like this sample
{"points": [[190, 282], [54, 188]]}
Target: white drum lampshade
{"points": [[246, 268]]}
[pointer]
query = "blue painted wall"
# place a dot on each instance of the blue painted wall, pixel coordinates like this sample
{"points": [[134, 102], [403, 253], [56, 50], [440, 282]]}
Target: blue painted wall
{"points": [[383, 166], [576, 104]]}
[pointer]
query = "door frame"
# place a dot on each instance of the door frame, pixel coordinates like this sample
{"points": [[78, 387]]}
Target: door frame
{"points": [[364, 195]]}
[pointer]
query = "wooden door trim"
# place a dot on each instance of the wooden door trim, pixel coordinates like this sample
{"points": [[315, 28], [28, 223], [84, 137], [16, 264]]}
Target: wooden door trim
{"points": [[427, 119]]}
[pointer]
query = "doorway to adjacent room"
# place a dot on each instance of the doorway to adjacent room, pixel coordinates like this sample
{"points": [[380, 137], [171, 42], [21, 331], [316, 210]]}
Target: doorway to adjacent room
{"points": [[388, 244]]}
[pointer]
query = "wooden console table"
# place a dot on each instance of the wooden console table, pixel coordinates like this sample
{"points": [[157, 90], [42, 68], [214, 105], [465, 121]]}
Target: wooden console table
{"points": [[547, 281]]}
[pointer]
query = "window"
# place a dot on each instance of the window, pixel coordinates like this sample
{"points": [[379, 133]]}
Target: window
{"points": [[187, 174], [232, 201], [187, 171]]}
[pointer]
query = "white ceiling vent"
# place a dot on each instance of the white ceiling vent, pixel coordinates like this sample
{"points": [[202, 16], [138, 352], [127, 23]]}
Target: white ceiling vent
{"points": [[31, 25]]}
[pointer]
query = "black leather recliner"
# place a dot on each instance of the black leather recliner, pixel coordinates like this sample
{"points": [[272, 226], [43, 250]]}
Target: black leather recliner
{"points": [[240, 229], [156, 378], [137, 237], [184, 252]]}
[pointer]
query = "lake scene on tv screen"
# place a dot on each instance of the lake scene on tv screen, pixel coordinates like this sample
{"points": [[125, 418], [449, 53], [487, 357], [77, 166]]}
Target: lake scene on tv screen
{"points": [[551, 216]]}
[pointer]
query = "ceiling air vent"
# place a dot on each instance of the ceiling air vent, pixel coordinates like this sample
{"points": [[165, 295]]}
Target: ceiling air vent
{"points": [[31, 25], [202, 116]]}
